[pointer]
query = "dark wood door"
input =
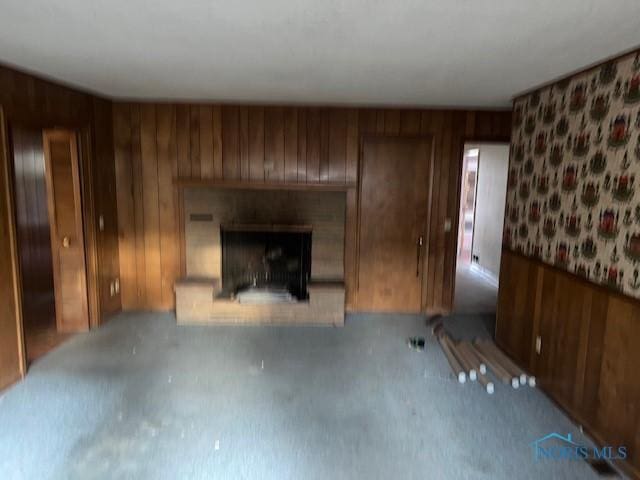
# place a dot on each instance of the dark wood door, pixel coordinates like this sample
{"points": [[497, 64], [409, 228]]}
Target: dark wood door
{"points": [[394, 204], [65, 220], [12, 363]]}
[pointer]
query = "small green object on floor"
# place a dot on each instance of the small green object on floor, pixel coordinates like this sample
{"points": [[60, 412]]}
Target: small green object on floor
{"points": [[416, 343]]}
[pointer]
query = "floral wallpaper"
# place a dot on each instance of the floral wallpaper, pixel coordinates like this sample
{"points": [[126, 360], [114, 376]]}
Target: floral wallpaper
{"points": [[574, 171]]}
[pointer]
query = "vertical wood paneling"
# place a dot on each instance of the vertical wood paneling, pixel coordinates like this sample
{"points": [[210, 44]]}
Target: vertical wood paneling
{"points": [[619, 392], [183, 141], [313, 145], [380, 118], [518, 308], [256, 144], [125, 198], [274, 144], [350, 247], [568, 340], [582, 340], [167, 169], [244, 143], [589, 357], [194, 141], [291, 144], [352, 147], [337, 146], [206, 141], [230, 143], [441, 198], [150, 205], [100, 166], [300, 144], [431, 125], [410, 122], [392, 122], [594, 351], [138, 205], [367, 121], [324, 144], [216, 125]]}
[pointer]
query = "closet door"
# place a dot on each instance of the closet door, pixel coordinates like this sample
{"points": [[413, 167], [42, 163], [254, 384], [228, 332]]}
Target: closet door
{"points": [[67, 238], [394, 204]]}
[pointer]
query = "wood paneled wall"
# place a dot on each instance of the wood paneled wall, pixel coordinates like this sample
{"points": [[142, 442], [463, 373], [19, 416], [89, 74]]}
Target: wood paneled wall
{"points": [[105, 202], [30, 101], [589, 355], [156, 143], [32, 225]]}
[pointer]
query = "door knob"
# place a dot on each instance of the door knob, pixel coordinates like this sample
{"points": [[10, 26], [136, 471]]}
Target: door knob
{"points": [[66, 242]]}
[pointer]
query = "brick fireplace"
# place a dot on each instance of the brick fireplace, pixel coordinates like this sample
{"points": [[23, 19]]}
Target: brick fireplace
{"points": [[242, 240]]}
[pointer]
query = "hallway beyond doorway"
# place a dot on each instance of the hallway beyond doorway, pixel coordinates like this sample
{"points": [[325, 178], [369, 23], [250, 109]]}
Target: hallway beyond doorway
{"points": [[476, 293]]}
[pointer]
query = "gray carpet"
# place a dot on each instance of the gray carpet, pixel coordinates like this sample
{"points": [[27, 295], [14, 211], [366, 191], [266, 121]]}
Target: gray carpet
{"points": [[474, 293], [142, 398]]}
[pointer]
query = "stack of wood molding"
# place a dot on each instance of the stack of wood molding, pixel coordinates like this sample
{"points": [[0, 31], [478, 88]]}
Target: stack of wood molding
{"points": [[474, 360]]}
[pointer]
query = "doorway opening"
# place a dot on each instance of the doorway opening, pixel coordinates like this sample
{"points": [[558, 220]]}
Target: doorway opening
{"points": [[481, 217], [48, 217]]}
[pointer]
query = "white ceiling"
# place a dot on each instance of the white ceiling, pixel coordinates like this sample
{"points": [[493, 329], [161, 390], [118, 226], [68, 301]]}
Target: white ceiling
{"points": [[378, 52]]}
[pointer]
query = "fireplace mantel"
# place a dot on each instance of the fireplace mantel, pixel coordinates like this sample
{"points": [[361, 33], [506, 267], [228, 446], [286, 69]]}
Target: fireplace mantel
{"points": [[242, 185]]}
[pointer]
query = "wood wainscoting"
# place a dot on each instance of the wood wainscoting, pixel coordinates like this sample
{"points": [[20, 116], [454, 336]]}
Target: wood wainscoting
{"points": [[155, 143], [588, 359]]}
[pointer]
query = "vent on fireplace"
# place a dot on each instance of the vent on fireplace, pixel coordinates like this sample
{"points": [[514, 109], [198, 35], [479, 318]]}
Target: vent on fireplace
{"points": [[266, 257]]}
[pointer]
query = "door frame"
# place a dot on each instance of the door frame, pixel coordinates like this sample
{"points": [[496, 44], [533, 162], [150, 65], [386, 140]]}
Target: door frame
{"points": [[488, 139], [475, 199], [427, 234], [85, 141]]}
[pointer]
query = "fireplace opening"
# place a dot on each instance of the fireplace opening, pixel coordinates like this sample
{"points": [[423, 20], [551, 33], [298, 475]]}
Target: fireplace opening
{"points": [[266, 263]]}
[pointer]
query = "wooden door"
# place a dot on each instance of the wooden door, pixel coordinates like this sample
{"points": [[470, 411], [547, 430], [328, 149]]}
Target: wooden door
{"points": [[12, 361], [394, 204], [65, 220]]}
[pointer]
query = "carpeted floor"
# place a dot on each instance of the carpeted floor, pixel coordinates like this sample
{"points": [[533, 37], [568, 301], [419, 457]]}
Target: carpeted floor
{"points": [[474, 293], [142, 398]]}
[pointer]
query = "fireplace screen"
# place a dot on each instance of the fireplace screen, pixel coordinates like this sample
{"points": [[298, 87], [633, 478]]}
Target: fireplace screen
{"points": [[266, 257]]}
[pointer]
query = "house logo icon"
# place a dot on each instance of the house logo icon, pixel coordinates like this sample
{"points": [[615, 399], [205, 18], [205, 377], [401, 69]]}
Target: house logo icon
{"points": [[558, 447], [566, 439]]}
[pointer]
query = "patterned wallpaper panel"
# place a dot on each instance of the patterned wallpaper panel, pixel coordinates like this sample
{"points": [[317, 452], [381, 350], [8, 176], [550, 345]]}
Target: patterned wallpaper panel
{"points": [[573, 196]]}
